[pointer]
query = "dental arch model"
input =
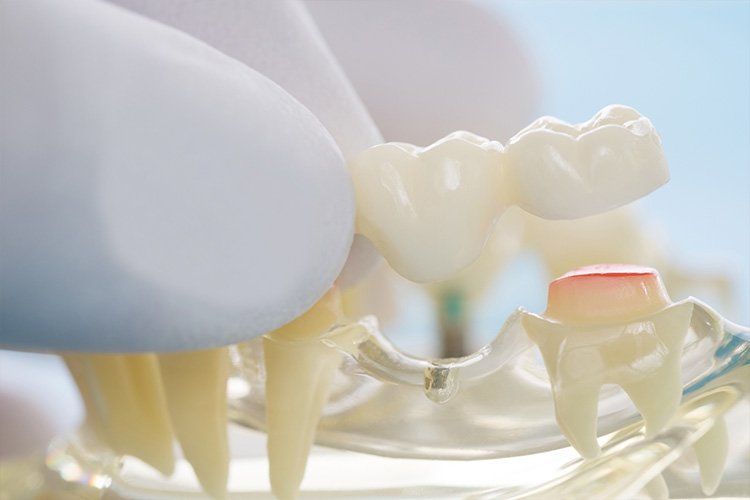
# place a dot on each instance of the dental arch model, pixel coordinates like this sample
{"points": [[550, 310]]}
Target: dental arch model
{"points": [[429, 211]]}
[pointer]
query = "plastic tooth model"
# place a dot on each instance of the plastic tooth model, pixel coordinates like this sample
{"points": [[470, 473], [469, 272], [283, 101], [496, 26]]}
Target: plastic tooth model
{"points": [[181, 229], [430, 210], [610, 325]]}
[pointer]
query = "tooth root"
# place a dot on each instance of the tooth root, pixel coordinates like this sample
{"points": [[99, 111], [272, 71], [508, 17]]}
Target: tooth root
{"points": [[299, 372], [576, 410], [657, 397], [126, 395], [195, 384], [657, 488], [711, 451]]}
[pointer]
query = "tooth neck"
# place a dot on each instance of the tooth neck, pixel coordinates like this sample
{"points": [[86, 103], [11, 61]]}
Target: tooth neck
{"points": [[316, 322]]}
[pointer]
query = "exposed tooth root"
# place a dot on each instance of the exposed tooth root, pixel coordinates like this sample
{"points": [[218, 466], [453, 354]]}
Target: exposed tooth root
{"points": [[196, 390], [657, 397], [586, 345], [430, 210], [126, 397], [576, 410], [711, 451], [299, 372]]}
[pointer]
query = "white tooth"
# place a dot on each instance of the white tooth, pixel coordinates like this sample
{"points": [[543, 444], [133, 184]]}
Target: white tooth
{"points": [[610, 325], [429, 210], [195, 384], [562, 171], [299, 371], [711, 451], [125, 397]]}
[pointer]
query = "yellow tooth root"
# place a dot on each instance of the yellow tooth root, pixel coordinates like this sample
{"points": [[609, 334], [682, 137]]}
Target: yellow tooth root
{"points": [[711, 451], [195, 384], [125, 402], [299, 371]]}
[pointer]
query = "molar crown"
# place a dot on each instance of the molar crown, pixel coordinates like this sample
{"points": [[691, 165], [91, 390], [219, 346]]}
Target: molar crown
{"points": [[430, 210]]}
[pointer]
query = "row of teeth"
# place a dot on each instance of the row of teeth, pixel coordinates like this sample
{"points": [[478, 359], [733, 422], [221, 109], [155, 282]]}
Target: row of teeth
{"points": [[430, 210], [138, 404]]}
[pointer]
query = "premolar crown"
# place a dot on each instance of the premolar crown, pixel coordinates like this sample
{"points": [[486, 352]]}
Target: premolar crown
{"points": [[430, 210], [610, 325]]}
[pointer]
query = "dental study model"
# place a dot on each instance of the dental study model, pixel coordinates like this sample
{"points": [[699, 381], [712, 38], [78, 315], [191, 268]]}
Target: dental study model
{"points": [[140, 247]]}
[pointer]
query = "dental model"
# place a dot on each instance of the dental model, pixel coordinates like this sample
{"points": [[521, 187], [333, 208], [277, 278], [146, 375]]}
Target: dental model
{"points": [[430, 210], [610, 325]]}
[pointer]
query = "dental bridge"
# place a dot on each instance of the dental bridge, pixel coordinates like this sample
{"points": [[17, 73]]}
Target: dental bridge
{"points": [[612, 349]]}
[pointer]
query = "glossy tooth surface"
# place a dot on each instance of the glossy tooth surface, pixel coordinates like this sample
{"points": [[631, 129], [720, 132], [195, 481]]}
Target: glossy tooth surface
{"points": [[562, 171], [711, 451], [195, 384], [299, 372], [125, 403], [429, 210], [587, 339]]}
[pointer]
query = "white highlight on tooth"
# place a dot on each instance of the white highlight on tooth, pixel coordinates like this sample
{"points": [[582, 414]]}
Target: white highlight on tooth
{"points": [[429, 210], [587, 339], [126, 405], [299, 371], [195, 384]]}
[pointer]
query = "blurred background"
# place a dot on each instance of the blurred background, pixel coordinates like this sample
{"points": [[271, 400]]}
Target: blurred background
{"points": [[492, 67]]}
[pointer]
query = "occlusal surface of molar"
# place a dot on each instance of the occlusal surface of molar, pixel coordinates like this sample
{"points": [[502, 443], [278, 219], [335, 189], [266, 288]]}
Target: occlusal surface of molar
{"points": [[430, 210], [299, 372], [561, 171], [610, 325]]}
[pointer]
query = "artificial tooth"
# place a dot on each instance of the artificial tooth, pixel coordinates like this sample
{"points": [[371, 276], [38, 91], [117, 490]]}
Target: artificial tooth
{"points": [[125, 399], [711, 451], [562, 171], [610, 325], [299, 372], [429, 210], [195, 384]]}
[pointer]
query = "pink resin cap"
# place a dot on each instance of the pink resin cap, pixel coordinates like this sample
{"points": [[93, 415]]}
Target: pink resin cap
{"points": [[606, 293]]}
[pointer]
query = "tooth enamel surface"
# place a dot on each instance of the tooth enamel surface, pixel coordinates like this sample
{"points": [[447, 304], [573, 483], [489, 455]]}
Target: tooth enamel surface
{"points": [[195, 384], [562, 171], [299, 371], [605, 294], [587, 346], [711, 451], [125, 401], [429, 210]]}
